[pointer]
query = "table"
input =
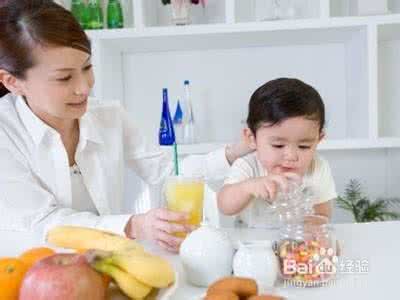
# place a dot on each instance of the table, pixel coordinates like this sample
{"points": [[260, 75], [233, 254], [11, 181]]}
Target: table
{"points": [[378, 244]]}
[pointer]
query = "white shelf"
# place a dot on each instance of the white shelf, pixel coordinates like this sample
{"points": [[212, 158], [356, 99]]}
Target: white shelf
{"points": [[207, 37], [190, 149], [388, 49], [141, 15], [212, 29], [350, 144], [351, 60], [349, 7]]}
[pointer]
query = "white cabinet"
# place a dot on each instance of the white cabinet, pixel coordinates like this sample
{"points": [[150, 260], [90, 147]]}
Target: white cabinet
{"points": [[389, 80], [352, 61]]}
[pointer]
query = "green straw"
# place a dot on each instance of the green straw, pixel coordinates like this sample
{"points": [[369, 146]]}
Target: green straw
{"points": [[176, 165]]}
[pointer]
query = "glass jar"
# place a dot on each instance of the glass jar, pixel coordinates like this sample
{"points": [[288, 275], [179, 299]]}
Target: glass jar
{"points": [[291, 206], [307, 252]]}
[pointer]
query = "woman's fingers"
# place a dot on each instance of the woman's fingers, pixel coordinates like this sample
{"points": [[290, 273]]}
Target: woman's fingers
{"points": [[162, 224], [170, 227], [167, 247], [191, 228], [171, 216], [172, 241]]}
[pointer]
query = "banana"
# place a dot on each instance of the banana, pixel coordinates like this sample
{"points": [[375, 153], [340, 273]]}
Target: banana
{"points": [[149, 269], [76, 237], [125, 254], [126, 282]]}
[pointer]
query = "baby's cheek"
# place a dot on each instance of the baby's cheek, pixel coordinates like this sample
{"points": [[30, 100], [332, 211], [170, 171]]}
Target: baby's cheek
{"points": [[306, 164], [269, 158], [269, 164]]}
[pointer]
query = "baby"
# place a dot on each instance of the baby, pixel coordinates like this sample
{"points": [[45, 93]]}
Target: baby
{"points": [[285, 124]]}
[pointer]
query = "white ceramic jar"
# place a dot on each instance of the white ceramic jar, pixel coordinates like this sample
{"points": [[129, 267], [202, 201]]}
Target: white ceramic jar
{"points": [[257, 260], [206, 255]]}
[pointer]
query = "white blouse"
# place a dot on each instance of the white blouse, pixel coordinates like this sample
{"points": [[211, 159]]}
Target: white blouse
{"points": [[35, 181], [81, 200]]}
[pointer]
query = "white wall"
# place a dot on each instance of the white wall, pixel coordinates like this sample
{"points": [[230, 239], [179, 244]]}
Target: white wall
{"points": [[224, 79], [377, 170]]}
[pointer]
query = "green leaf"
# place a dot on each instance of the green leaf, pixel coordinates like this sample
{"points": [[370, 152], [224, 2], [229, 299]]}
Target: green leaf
{"points": [[363, 209], [391, 215], [344, 203], [379, 211], [393, 202], [353, 191]]}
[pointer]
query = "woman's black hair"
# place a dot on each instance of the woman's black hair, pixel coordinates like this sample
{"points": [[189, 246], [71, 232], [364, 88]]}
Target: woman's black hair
{"points": [[25, 24]]}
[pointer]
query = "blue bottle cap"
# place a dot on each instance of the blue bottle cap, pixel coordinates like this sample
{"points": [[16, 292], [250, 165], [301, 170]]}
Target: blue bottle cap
{"points": [[186, 82]]}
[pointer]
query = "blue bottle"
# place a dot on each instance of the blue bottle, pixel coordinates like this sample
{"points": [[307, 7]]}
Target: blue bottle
{"points": [[166, 135]]}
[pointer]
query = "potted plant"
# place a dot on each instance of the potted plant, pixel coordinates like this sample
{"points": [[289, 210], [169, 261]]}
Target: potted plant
{"points": [[181, 10], [363, 209]]}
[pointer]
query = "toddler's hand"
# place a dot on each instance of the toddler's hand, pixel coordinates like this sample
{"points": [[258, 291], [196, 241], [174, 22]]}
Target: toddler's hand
{"points": [[267, 187]]}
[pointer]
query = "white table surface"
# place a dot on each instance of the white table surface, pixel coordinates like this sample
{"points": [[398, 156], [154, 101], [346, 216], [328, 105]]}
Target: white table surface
{"points": [[378, 243]]}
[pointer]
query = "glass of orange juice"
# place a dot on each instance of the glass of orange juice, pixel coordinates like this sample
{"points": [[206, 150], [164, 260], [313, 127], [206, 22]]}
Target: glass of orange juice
{"points": [[185, 194]]}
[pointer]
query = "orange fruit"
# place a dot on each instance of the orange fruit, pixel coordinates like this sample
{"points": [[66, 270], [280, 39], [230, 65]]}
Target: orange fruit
{"points": [[12, 271], [31, 256]]}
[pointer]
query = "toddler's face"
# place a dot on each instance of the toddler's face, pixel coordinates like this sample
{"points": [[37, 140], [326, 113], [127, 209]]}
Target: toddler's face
{"points": [[288, 146]]}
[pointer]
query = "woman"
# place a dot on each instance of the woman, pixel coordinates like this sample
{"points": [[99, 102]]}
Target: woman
{"points": [[62, 159]]}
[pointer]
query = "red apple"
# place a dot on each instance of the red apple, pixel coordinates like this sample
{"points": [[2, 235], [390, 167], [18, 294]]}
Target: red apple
{"points": [[62, 277]]}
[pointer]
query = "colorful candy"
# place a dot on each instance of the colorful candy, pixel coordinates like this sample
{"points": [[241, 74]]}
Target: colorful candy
{"points": [[309, 262]]}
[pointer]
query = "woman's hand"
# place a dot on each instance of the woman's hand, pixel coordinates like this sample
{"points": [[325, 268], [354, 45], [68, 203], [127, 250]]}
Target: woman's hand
{"points": [[239, 149], [267, 187], [159, 225]]}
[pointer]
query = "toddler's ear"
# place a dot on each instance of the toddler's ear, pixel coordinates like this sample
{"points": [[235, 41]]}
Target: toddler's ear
{"points": [[249, 138]]}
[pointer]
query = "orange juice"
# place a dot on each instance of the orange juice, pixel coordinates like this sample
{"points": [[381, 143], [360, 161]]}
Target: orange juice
{"points": [[186, 194]]}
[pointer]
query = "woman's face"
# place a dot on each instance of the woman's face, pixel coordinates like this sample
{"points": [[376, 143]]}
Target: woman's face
{"points": [[58, 86]]}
